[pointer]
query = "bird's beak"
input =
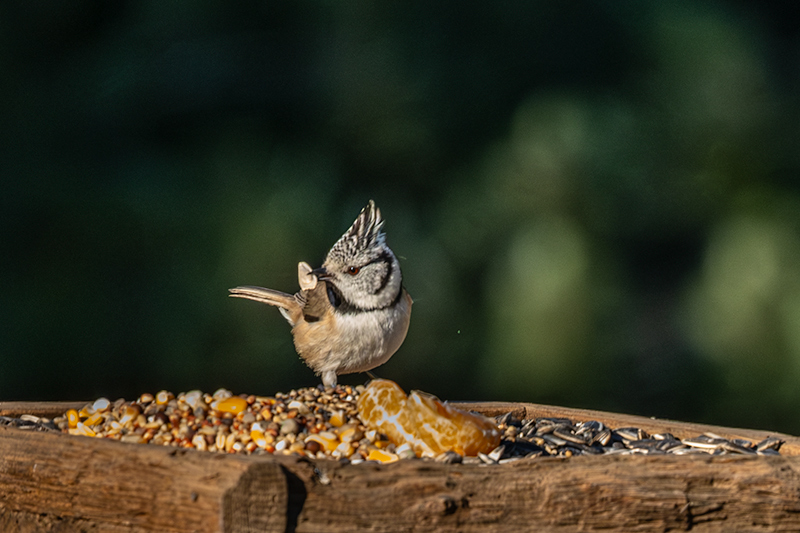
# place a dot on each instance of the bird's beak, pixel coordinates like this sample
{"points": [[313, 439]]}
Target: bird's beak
{"points": [[321, 273]]}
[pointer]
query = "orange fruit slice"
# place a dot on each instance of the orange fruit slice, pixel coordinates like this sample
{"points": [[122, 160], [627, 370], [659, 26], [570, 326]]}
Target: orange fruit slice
{"points": [[425, 423]]}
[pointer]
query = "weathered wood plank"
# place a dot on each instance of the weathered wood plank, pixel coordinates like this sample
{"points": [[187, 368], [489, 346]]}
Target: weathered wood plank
{"points": [[40, 409], [55, 482], [72, 483], [588, 493]]}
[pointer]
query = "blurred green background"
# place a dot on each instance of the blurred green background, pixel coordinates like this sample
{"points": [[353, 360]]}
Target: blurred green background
{"points": [[596, 204]]}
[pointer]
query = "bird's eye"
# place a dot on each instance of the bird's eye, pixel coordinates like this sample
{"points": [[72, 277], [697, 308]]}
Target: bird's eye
{"points": [[353, 270]]}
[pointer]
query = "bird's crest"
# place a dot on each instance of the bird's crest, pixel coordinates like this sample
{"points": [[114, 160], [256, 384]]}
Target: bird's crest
{"points": [[364, 234]]}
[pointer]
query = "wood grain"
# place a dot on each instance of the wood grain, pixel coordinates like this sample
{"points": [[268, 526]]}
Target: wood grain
{"points": [[40, 409], [55, 482], [80, 481], [588, 493]]}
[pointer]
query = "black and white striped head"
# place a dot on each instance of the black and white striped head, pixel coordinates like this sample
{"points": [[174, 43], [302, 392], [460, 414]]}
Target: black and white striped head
{"points": [[363, 271]]}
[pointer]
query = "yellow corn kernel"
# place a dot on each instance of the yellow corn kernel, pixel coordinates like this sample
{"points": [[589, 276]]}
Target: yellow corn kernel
{"points": [[129, 415], [234, 405], [381, 443], [101, 405], [382, 456], [146, 398], [349, 433], [327, 440], [344, 449], [163, 397], [337, 418], [81, 429], [261, 439], [94, 419], [73, 418], [230, 440]]}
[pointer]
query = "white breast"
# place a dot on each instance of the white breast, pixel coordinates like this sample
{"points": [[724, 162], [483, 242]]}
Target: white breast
{"points": [[368, 339]]}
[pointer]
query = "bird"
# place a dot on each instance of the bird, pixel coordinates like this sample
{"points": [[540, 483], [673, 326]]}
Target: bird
{"points": [[352, 313]]}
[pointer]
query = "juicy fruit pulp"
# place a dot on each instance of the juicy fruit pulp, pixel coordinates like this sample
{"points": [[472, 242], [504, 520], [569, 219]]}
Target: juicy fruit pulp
{"points": [[423, 422]]}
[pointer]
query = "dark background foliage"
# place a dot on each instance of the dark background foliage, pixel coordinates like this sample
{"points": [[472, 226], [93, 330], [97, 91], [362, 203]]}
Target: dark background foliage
{"points": [[596, 203]]}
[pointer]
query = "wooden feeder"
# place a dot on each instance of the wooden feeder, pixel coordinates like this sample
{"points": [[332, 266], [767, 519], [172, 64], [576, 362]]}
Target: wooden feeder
{"points": [[53, 482]]}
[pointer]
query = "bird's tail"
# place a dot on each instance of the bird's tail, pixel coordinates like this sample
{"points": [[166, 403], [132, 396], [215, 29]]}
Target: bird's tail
{"points": [[266, 296]]}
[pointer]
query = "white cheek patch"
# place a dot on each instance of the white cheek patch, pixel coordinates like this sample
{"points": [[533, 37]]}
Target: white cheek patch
{"points": [[378, 277]]}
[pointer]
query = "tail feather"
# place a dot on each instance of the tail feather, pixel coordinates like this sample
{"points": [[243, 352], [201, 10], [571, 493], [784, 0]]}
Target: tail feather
{"points": [[266, 296]]}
